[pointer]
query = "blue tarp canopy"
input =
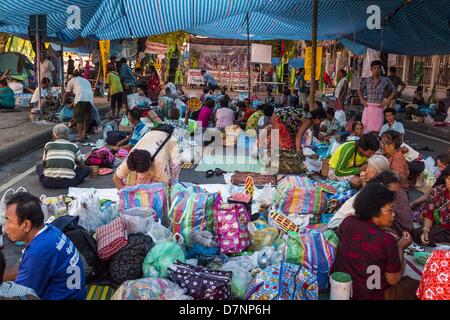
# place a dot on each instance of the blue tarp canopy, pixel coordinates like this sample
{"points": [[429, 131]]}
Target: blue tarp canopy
{"points": [[294, 63], [418, 28]]}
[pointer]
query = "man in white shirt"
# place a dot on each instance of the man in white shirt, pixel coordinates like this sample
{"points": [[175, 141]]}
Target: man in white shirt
{"points": [[83, 103], [47, 69], [46, 95], [342, 88]]}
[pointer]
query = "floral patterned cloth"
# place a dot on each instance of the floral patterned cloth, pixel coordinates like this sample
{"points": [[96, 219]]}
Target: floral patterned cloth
{"points": [[288, 120], [435, 283]]}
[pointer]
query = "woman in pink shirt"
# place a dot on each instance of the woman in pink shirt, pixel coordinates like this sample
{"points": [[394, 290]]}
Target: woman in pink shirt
{"points": [[206, 113], [224, 116]]}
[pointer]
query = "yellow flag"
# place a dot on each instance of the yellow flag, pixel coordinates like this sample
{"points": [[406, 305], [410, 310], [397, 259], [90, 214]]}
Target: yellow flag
{"points": [[308, 63], [104, 52]]}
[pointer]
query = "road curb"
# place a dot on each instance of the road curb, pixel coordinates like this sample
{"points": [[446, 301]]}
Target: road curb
{"points": [[436, 132], [35, 141]]}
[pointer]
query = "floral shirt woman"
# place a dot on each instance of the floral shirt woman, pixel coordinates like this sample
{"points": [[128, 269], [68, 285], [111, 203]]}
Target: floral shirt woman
{"points": [[287, 120]]}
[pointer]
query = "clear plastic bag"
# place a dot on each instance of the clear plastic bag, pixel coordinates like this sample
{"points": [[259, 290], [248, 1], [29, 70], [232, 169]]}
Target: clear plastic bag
{"points": [[108, 212], [137, 219], [150, 289], [86, 206], [204, 238], [313, 165], [240, 281], [159, 233]]}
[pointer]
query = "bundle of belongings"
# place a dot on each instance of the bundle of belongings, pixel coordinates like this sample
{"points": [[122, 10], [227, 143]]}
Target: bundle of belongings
{"points": [[155, 241]]}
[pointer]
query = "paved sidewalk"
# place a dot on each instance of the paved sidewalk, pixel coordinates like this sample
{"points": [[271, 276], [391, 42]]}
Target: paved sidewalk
{"points": [[442, 133], [20, 135]]}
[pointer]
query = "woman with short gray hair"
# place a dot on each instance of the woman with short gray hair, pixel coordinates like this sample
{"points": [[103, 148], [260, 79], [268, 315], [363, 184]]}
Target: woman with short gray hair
{"points": [[62, 165]]}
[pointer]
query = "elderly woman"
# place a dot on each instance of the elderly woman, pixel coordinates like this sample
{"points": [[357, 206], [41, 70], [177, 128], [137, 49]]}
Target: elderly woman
{"points": [[375, 165], [62, 166], [365, 247], [391, 142], [436, 214], [403, 220], [155, 158]]}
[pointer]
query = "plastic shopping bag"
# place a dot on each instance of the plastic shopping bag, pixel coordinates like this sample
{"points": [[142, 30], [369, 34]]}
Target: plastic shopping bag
{"points": [[160, 257], [86, 206], [137, 219]]}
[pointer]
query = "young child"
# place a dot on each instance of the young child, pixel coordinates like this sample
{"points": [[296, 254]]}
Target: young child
{"points": [[330, 126]]}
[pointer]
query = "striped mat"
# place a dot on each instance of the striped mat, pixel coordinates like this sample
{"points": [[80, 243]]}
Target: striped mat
{"points": [[97, 293], [186, 165]]}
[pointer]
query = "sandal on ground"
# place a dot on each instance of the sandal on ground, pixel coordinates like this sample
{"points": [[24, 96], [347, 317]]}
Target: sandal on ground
{"points": [[209, 173], [219, 172]]}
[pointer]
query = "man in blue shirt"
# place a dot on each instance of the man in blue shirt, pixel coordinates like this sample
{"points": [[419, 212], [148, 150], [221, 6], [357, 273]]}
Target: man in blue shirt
{"points": [[209, 80], [51, 264], [140, 129], [392, 124]]}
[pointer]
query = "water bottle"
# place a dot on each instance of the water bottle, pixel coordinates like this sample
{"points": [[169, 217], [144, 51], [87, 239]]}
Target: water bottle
{"points": [[61, 207]]}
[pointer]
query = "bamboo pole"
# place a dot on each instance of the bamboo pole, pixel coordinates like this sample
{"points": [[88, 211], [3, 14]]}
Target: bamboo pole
{"points": [[314, 53]]}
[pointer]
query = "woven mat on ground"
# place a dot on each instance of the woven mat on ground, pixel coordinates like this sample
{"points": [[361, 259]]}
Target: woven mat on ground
{"points": [[239, 178], [186, 165], [99, 292]]}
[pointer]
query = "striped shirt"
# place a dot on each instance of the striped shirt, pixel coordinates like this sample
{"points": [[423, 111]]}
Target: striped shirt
{"points": [[59, 159], [11, 289], [346, 161]]}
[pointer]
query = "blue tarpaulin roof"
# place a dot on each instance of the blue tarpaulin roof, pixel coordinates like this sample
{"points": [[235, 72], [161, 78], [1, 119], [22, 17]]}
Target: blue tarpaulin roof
{"points": [[294, 63], [418, 28]]}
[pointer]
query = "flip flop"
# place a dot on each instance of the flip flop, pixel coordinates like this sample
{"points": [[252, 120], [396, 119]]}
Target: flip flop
{"points": [[209, 173], [105, 171]]}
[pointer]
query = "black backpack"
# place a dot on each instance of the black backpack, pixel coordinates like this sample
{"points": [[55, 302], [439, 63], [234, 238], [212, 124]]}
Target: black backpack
{"points": [[94, 268], [113, 137], [127, 263]]}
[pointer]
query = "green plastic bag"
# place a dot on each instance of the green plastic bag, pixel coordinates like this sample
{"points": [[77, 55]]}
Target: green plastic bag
{"points": [[294, 248], [192, 126], [160, 258]]}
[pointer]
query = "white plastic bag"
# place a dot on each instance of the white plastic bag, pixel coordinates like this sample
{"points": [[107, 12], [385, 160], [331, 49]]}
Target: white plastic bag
{"points": [[86, 206], [132, 100], [313, 165], [137, 219], [266, 196], [428, 119], [430, 171]]}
